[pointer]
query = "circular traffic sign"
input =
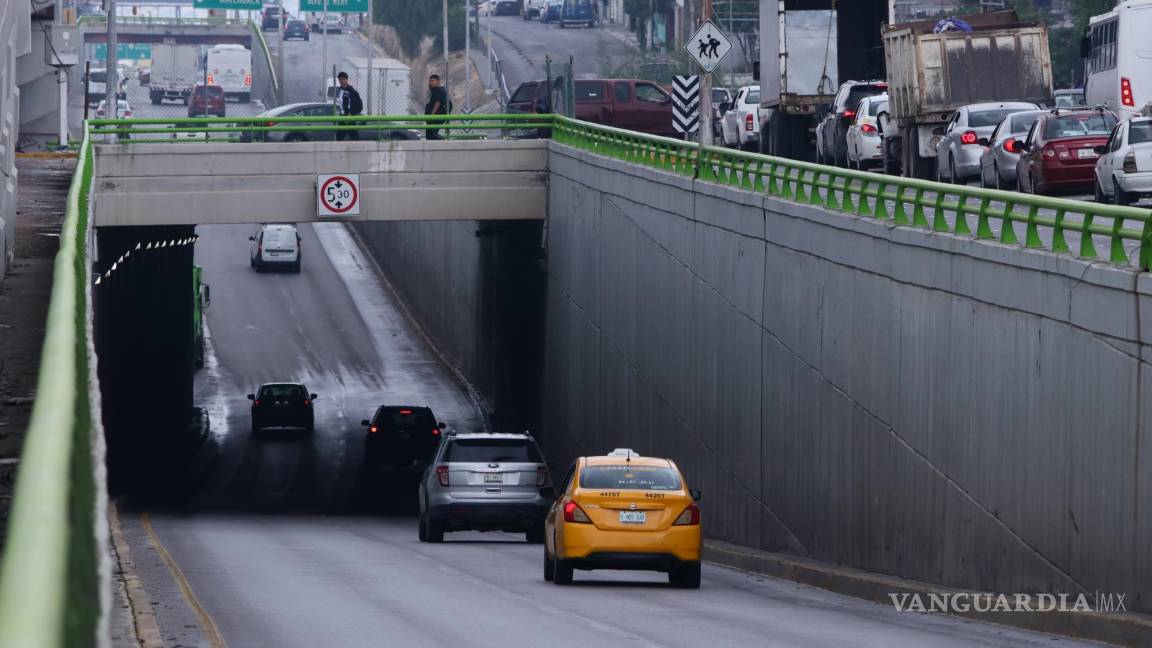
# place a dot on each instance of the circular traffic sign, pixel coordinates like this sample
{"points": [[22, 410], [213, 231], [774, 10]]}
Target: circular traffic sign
{"points": [[339, 194]]}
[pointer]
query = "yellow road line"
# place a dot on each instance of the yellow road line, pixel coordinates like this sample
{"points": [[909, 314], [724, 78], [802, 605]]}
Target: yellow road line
{"points": [[207, 624]]}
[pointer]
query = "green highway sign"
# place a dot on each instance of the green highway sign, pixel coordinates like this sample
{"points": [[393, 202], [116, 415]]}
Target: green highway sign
{"points": [[335, 6], [243, 5], [124, 51]]}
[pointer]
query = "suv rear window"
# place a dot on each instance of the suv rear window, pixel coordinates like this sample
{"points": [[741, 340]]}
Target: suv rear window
{"points": [[626, 477], [282, 391], [212, 92], [405, 419], [492, 451]]}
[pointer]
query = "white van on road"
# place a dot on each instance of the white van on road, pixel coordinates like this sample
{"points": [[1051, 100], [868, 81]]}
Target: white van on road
{"points": [[230, 67], [275, 246]]}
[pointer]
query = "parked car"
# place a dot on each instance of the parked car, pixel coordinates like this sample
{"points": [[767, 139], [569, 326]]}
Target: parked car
{"points": [[721, 103], [578, 12], [624, 511], [485, 482], [296, 29], [275, 246], [507, 8], [863, 137], [531, 9], [1059, 152], [832, 129], [123, 108], [402, 437], [322, 133], [332, 23], [282, 405], [551, 11], [958, 150], [206, 100], [270, 20], [631, 104], [1124, 170], [740, 125], [144, 75], [998, 159]]}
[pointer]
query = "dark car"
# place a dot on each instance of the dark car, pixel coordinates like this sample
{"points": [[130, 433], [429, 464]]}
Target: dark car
{"points": [[282, 405], [321, 134], [507, 8], [296, 29], [551, 11], [271, 19], [577, 12], [402, 437], [1059, 152], [206, 100], [632, 104]]}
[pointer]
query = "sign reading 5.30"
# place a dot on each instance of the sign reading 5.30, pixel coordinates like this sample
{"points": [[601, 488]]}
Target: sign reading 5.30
{"points": [[338, 194]]}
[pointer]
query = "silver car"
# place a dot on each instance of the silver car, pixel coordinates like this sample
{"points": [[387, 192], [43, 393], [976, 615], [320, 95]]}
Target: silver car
{"points": [[997, 162], [958, 149], [1124, 169], [485, 482]]}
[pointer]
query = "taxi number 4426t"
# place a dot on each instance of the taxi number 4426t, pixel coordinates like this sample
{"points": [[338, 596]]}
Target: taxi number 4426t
{"points": [[633, 517]]}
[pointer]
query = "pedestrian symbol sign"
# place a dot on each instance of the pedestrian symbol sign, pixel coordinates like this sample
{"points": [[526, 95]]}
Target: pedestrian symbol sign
{"points": [[708, 46], [338, 194]]}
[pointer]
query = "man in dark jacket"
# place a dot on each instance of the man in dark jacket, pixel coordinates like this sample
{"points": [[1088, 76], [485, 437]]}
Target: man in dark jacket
{"points": [[438, 103], [349, 104]]}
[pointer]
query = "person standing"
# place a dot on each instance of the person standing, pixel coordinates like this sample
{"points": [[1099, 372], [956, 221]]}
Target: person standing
{"points": [[349, 104], [438, 104]]}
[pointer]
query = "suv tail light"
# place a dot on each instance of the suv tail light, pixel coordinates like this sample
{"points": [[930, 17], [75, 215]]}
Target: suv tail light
{"points": [[435, 431], [1008, 144], [1130, 162], [373, 429], [748, 123], [1126, 92], [969, 138], [541, 475], [442, 474], [690, 516], [867, 128], [573, 513]]}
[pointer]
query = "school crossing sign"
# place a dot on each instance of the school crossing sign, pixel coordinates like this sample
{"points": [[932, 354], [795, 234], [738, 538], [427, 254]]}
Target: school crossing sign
{"points": [[708, 46]]}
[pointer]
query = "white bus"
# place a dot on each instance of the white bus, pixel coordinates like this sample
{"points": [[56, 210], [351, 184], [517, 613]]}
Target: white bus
{"points": [[1118, 61], [230, 67]]}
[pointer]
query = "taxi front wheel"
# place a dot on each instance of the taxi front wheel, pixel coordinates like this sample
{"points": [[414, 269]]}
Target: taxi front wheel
{"points": [[686, 576]]}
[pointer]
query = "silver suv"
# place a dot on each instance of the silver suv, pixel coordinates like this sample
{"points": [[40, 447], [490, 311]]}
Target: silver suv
{"points": [[485, 482]]}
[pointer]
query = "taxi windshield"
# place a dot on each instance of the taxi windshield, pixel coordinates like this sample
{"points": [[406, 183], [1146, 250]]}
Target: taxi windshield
{"points": [[630, 477]]}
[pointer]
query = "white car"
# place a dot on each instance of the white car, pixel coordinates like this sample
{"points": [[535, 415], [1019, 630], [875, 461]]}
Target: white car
{"points": [[1124, 170], [123, 108], [864, 143], [740, 126], [275, 246]]}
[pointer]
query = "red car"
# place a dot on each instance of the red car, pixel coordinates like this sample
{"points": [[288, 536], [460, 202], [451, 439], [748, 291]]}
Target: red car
{"points": [[1058, 155], [206, 100]]}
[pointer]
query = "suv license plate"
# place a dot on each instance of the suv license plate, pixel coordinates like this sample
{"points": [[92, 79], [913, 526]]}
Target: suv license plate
{"points": [[493, 478], [633, 517]]}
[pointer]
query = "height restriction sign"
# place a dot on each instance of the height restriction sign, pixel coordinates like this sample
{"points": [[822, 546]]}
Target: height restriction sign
{"points": [[338, 194]]}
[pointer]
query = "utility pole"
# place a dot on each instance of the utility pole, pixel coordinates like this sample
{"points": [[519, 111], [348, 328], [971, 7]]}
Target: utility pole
{"points": [[468, 59], [444, 80], [371, 47], [706, 89], [111, 74], [61, 78], [323, 49]]}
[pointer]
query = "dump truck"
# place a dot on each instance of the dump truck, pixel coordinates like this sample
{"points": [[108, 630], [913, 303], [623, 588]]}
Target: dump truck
{"points": [[931, 75]]}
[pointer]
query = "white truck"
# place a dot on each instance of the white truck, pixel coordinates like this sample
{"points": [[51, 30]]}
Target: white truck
{"points": [[391, 84], [175, 69], [230, 67]]}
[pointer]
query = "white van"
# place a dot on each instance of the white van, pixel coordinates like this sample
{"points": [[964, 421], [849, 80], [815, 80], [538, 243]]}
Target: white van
{"points": [[275, 246], [230, 67]]}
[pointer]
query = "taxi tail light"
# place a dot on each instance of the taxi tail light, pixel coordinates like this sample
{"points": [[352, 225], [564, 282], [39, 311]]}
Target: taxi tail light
{"points": [[442, 474], [690, 516], [1126, 92], [969, 138], [867, 129], [573, 513], [1009, 143], [1130, 162], [541, 475]]}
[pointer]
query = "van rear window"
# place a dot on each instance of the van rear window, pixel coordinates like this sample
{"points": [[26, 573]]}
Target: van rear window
{"points": [[628, 477]]}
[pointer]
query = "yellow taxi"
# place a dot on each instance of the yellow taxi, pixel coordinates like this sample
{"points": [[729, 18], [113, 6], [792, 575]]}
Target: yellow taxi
{"points": [[624, 511]]}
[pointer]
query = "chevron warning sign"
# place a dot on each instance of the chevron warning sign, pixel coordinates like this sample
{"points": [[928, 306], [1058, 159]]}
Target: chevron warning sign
{"points": [[686, 103]]}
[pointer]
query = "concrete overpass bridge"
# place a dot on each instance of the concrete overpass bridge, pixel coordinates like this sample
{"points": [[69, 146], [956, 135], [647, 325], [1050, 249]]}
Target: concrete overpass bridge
{"points": [[934, 382], [181, 31]]}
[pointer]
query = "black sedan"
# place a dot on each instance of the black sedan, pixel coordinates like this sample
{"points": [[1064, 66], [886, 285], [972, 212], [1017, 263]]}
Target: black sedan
{"points": [[322, 132], [282, 405], [296, 29]]}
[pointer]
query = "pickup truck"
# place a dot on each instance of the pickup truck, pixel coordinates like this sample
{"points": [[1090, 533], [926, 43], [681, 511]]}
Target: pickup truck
{"points": [[632, 104]]}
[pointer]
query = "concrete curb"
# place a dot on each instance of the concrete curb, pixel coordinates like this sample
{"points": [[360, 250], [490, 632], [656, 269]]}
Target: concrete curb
{"points": [[1125, 629], [143, 616]]}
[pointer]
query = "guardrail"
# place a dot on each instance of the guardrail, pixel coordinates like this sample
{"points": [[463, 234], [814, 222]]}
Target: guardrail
{"points": [[258, 34], [49, 582], [901, 201]]}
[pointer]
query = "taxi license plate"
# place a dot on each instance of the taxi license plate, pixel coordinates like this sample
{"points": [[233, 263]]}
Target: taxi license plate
{"points": [[633, 517], [1086, 154], [493, 478]]}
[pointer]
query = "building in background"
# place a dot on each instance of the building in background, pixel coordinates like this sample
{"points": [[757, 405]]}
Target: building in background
{"points": [[15, 48]]}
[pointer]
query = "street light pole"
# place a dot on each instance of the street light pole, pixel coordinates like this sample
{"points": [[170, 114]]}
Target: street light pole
{"points": [[468, 59], [111, 74], [706, 89], [371, 47], [444, 81], [323, 50]]}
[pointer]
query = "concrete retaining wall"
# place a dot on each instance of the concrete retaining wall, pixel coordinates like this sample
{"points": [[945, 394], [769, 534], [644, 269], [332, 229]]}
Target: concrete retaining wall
{"points": [[886, 398]]}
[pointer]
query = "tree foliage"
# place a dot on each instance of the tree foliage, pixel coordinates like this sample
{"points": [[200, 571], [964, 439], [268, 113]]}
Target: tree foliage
{"points": [[418, 19]]}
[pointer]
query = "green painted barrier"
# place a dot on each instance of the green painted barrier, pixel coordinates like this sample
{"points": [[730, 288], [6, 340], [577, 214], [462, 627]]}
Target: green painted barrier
{"points": [[49, 577], [258, 34]]}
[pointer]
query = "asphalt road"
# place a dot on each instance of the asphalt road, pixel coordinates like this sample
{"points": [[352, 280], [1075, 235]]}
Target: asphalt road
{"points": [[523, 44]]}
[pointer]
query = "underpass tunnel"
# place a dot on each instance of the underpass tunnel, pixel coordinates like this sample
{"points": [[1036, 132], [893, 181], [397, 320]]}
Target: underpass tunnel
{"points": [[143, 317]]}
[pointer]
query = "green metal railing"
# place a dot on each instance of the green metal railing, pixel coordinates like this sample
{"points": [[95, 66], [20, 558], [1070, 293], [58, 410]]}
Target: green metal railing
{"points": [[49, 583], [258, 35], [163, 20], [955, 209]]}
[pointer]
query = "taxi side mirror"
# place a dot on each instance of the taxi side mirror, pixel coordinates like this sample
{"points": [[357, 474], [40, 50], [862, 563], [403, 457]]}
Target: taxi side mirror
{"points": [[695, 493]]}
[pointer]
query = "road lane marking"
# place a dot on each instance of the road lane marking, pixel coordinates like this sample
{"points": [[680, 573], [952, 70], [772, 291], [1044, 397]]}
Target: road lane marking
{"points": [[207, 624], [143, 616]]}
